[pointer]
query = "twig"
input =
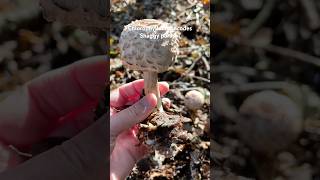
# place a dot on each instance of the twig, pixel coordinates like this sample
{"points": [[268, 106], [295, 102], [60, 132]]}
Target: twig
{"points": [[206, 63], [286, 52], [185, 9], [311, 13], [248, 71], [179, 83], [257, 86], [193, 76], [245, 71], [194, 47], [192, 66], [189, 69], [187, 89], [260, 18], [199, 78]]}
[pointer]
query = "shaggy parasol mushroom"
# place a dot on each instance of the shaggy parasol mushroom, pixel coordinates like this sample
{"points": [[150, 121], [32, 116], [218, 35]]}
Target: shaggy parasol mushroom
{"points": [[149, 46]]}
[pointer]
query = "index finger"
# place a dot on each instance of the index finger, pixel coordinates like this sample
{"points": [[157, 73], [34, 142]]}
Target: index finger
{"points": [[130, 93], [44, 100]]}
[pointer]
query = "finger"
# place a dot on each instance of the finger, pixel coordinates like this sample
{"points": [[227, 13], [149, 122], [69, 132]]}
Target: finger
{"points": [[125, 155], [68, 88], [47, 98], [83, 156], [136, 113], [131, 92]]}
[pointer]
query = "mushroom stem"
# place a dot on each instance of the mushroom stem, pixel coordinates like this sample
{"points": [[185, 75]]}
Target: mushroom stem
{"points": [[151, 86]]}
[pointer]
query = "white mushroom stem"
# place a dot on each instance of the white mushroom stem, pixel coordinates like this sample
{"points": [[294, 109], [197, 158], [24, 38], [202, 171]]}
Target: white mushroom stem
{"points": [[151, 86]]}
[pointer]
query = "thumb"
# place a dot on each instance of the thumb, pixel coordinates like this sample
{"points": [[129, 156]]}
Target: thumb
{"points": [[136, 113], [83, 157]]}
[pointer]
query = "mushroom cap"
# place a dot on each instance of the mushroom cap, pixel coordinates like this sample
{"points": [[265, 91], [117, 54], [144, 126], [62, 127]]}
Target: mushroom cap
{"points": [[194, 100], [271, 121], [149, 45]]}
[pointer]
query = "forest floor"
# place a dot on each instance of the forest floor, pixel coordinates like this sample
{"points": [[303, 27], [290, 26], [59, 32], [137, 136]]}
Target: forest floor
{"points": [[266, 45], [30, 46]]}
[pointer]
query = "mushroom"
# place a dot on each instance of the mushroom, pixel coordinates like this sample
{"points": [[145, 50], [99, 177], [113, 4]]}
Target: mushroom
{"points": [[194, 100], [151, 46], [271, 121]]}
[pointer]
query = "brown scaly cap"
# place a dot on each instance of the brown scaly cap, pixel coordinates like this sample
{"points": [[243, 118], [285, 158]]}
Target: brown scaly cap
{"points": [[149, 54]]}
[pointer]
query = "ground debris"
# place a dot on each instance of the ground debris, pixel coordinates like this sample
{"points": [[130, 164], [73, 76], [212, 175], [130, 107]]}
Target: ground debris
{"points": [[164, 132]]}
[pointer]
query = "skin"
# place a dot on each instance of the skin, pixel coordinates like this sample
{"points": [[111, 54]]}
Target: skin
{"points": [[60, 103], [126, 151]]}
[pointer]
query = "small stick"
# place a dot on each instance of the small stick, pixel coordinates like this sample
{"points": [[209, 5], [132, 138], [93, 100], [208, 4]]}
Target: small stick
{"points": [[248, 71], [192, 65], [311, 13], [260, 19], [199, 78], [286, 52], [257, 86], [206, 63]]}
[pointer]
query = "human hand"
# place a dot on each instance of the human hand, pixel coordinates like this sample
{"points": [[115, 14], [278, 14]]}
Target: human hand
{"points": [[59, 100], [124, 146]]}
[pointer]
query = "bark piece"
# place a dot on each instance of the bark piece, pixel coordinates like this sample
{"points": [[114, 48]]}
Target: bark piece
{"points": [[164, 132]]}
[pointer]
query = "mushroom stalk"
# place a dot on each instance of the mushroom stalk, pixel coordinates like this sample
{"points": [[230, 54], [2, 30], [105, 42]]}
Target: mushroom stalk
{"points": [[151, 86]]}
